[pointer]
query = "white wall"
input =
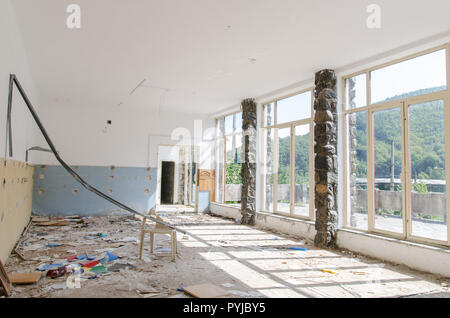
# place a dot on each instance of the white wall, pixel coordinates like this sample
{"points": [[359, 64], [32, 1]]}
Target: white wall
{"points": [[13, 59], [82, 136]]}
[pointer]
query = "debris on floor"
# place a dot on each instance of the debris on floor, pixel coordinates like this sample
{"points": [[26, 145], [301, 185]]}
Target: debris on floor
{"points": [[205, 291], [233, 260], [24, 278]]}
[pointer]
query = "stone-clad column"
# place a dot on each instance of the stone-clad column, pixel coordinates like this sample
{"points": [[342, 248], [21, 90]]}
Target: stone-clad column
{"points": [[325, 145], [248, 171]]}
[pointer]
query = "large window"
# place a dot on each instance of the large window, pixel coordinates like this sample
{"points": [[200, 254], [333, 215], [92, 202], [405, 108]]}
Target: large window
{"points": [[229, 156], [287, 148], [397, 122]]}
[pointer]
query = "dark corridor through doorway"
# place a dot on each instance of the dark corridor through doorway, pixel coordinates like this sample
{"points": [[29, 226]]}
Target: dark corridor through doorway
{"points": [[167, 182]]}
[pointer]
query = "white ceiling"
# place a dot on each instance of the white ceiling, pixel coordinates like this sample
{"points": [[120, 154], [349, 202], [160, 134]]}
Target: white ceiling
{"points": [[195, 54]]}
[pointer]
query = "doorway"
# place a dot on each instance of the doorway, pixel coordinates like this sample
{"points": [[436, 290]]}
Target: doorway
{"points": [[167, 182]]}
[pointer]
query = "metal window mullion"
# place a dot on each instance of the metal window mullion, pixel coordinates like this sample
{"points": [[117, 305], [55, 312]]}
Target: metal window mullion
{"points": [[346, 171], [406, 172], [447, 140], [224, 167], [312, 181], [292, 172], [370, 172], [275, 158]]}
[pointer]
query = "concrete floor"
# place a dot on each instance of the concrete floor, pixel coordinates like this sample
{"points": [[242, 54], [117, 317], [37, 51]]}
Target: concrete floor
{"points": [[245, 261]]}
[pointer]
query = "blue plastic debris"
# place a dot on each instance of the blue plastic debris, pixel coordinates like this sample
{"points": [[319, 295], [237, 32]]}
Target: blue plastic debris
{"points": [[98, 235], [86, 257], [53, 245], [180, 289], [298, 248], [163, 249], [78, 271], [49, 266], [109, 257], [238, 221]]}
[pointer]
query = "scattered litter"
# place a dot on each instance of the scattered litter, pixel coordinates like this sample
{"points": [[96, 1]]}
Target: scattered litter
{"points": [[89, 264], [31, 247], [46, 267], [331, 271], [205, 291], [129, 239], [146, 259], [54, 273], [86, 257], [358, 273], [53, 245], [51, 223], [298, 248], [148, 292], [99, 269], [98, 235], [89, 275], [109, 258], [163, 249], [56, 286], [24, 278], [115, 245], [238, 221], [119, 266], [228, 285], [245, 294]]}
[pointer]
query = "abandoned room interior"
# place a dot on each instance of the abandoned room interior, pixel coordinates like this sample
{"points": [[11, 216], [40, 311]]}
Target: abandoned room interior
{"points": [[224, 149]]}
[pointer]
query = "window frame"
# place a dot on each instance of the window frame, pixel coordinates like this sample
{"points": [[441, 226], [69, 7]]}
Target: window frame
{"points": [[275, 126], [403, 104]]}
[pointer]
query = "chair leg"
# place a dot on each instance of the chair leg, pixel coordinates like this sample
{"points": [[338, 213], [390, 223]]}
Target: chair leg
{"points": [[152, 238], [174, 249], [176, 243], [141, 244]]}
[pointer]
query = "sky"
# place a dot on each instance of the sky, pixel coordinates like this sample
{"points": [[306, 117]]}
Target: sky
{"points": [[426, 71]]}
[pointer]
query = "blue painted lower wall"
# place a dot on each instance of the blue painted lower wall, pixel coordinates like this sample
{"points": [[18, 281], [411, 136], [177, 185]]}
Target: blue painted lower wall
{"points": [[56, 193]]}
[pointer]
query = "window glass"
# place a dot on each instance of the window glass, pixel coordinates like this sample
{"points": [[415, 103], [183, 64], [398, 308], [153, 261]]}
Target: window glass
{"points": [[302, 160], [268, 172], [294, 108], [229, 124], [238, 122], [388, 170], [219, 127], [417, 76], [269, 118], [284, 169], [233, 179], [219, 170], [427, 150], [356, 91], [357, 154]]}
